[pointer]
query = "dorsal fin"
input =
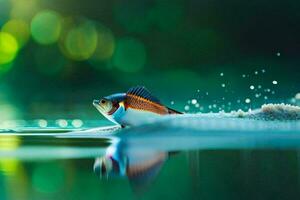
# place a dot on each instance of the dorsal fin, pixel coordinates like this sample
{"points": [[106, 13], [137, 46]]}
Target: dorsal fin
{"points": [[141, 91]]}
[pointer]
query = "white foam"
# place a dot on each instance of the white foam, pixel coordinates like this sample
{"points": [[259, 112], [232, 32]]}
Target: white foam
{"points": [[280, 112]]}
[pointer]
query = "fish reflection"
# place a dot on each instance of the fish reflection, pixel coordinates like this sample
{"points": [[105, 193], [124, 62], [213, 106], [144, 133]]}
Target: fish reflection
{"points": [[140, 167]]}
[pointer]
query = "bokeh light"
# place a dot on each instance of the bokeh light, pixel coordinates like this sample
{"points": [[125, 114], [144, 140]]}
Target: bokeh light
{"points": [[105, 45], [46, 27], [9, 142], [8, 48], [77, 123], [105, 48], [42, 123], [9, 166], [130, 55], [80, 41], [19, 29], [23, 9], [62, 123]]}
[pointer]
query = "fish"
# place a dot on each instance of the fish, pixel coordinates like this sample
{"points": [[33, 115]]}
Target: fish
{"points": [[122, 160], [132, 108], [141, 168]]}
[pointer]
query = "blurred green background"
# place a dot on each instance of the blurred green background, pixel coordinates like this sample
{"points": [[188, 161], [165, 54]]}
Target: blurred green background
{"points": [[56, 56]]}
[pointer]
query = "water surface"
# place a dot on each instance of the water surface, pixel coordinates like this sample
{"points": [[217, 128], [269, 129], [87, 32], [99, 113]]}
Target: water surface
{"points": [[187, 158]]}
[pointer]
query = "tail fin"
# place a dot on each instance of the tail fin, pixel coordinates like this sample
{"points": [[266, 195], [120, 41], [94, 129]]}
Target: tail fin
{"points": [[172, 111]]}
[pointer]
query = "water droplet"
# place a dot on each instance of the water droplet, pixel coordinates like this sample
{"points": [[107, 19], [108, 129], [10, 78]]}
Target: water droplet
{"points": [[251, 87], [42, 123], [172, 102], [197, 105], [223, 85], [278, 54], [198, 90], [62, 123], [186, 107], [194, 101], [263, 70], [293, 100], [265, 97], [243, 75], [221, 74], [274, 82], [259, 86], [256, 72], [247, 100], [207, 93]]}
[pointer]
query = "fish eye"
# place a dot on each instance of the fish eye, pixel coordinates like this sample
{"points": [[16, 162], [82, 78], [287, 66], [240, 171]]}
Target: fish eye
{"points": [[103, 101]]}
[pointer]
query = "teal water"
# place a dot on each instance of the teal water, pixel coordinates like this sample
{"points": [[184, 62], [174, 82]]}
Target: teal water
{"points": [[187, 157]]}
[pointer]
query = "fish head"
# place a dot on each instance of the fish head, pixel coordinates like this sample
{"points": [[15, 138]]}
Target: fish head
{"points": [[109, 105], [104, 106]]}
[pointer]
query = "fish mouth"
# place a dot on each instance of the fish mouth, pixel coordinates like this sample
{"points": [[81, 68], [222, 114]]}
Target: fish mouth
{"points": [[102, 109], [96, 102]]}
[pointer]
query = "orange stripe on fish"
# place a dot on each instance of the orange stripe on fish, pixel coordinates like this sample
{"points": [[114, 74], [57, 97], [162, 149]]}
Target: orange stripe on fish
{"points": [[140, 103]]}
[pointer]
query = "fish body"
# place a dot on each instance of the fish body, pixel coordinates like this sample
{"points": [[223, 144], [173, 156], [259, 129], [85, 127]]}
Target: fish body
{"points": [[123, 160], [134, 107]]}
